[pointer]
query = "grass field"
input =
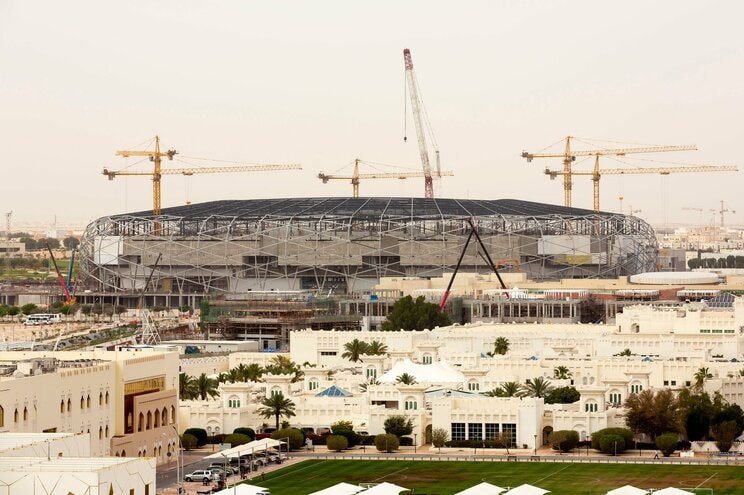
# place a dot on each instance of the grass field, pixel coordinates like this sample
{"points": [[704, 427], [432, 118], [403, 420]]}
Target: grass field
{"points": [[446, 478]]}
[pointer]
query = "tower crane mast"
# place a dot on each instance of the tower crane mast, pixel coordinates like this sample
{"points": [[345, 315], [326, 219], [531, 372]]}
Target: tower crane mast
{"points": [[417, 120]]}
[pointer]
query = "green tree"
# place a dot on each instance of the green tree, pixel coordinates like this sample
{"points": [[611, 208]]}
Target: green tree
{"points": [[243, 430], [276, 406], [612, 444], [652, 413], [562, 373], [342, 425], [564, 440], [439, 437], [354, 350], [188, 441], [186, 387], [667, 443], [729, 412], [398, 425], [537, 387], [295, 436], [507, 389], [71, 242], [337, 443], [29, 308], [376, 348], [500, 347], [408, 314], [695, 410], [199, 433], [387, 443], [701, 376], [282, 365], [725, 434], [206, 387], [236, 439], [406, 379], [562, 395]]}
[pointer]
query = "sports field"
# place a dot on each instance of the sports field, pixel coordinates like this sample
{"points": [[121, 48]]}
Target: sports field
{"points": [[447, 478]]}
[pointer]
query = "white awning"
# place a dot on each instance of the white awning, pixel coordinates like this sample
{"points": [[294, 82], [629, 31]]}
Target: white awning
{"points": [[245, 449], [527, 490], [627, 490], [482, 489], [384, 489], [673, 491], [340, 489], [439, 373]]}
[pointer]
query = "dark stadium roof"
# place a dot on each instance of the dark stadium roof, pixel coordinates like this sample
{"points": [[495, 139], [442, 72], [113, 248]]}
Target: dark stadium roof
{"points": [[367, 208]]}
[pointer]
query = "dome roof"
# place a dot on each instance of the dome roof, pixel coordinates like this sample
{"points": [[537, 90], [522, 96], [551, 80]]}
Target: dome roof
{"points": [[674, 278]]}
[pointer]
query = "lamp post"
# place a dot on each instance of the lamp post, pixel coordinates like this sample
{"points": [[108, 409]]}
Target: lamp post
{"points": [[614, 448], [179, 487], [415, 442], [535, 435]]}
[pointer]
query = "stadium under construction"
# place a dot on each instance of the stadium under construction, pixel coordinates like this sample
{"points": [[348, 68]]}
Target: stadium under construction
{"points": [[346, 245]]}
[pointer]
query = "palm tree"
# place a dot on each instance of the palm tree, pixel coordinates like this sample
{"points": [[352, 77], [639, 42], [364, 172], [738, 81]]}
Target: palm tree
{"points": [[251, 373], [276, 406], [376, 348], [282, 365], [406, 379], [701, 376], [354, 350], [231, 376], [500, 346], [508, 389], [562, 373], [537, 387], [206, 387], [186, 389], [363, 386]]}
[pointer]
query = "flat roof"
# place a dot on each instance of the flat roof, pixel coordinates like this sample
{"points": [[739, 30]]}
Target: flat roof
{"points": [[57, 464], [10, 441]]}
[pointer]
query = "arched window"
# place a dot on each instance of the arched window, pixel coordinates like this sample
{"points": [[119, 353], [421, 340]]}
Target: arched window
{"points": [[473, 386], [313, 384], [25, 414], [100, 399], [410, 404], [62, 406], [69, 405], [165, 416], [372, 373], [2, 417], [426, 359], [173, 414], [15, 416], [149, 420], [157, 418], [141, 422], [106, 431], [275, 391], [100, 432], [82, 402], [87, 401], [123, 453], [107, 397]]}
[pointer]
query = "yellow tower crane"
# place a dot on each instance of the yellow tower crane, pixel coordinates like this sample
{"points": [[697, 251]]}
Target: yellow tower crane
{"points": [[156, 157], [597, 173], [356, 176], [569, 156]]}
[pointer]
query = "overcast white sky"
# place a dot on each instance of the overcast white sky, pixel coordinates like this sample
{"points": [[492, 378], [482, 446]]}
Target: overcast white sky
{"points": [[321, 83]]}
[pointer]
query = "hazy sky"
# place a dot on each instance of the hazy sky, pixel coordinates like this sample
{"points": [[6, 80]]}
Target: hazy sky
{"points": [[321, 83]]}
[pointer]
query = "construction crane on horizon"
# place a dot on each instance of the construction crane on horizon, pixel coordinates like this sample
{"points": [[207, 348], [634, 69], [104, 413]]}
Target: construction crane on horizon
{"points": [[597, 173], [722, 211], [7, 224], [418, 115], [355, 177], [156, 157], [569, 156]]}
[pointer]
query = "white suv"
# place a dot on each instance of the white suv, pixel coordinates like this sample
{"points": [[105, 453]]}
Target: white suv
{"points": [[200, 475]]}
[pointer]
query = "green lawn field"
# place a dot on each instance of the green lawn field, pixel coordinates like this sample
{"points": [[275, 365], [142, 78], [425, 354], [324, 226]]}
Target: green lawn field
{"points": [[447, 478]]}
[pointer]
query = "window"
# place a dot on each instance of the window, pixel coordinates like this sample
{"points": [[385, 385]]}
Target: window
{"points": [[616, 398], [82, 402], [69, 405], [173, 414], [473, 386], [591, 406], [510, 432], [25, 414], [107, 397], [458, 431], [157, 418], [100, 399], [165, 416], [688, 383], [15, 416], [100, 432], [276, 391], [313, 385], [426, 359], [410, 404], [62, 406], [233, 402], [636, 388], [475, 431], [492, 430], [372, 373], [2, 417], [141, 422], [106, 431], [666, 383], [328, 353], [87, 401], [149, 420]]}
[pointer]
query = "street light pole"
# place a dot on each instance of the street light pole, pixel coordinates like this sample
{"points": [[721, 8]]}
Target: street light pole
{"points": [[415, 442], [535, 435], [179, 488]]}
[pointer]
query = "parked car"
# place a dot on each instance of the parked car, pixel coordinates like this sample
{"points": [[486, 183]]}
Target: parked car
{"points": [[221, 466], [199, 475]]}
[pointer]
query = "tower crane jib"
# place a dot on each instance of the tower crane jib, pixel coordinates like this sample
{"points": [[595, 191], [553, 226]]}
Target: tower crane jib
{"points": [[416, 110]]}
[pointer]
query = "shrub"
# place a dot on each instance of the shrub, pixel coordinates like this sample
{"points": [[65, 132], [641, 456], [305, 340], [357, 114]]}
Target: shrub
{"points": [[564, 440], [296, 438], [666, 443], [366, 439], [624, 433], [199, 433], [406, 441], [219, 438], [337, 442], [236, 439], [387, 442], [249, 432], [188, 441], [352, 438], [317, 439], [611, 444], [398, 426]]}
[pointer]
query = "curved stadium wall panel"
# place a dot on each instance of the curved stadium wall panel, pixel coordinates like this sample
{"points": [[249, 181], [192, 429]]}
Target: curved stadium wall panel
{"points": [[348, 244]]}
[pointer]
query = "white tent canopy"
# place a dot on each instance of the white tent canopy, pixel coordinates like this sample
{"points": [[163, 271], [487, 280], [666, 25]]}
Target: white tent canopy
{"points": [[482, 489], [384, 489], [340, 489], [243, 489], [673, 491], [527, 490], [627, 490], [440, 372], [248, 448]]}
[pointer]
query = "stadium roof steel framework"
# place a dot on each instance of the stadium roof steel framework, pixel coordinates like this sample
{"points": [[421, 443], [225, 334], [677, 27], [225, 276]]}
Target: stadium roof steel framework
{"points": [[348, 244]]}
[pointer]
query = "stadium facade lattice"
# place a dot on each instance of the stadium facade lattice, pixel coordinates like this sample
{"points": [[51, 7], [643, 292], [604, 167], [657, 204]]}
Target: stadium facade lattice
{"points": [[348, 244]]}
